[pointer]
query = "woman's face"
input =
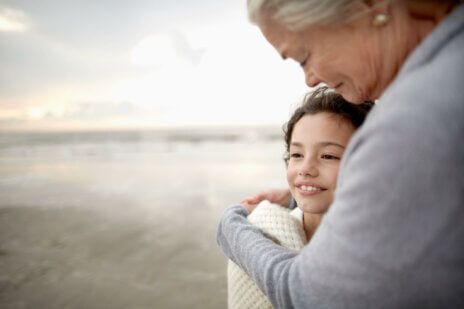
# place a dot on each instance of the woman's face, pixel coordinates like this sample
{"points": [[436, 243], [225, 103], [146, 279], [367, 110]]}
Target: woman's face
{"points": [[346, 58], [316, 147]]}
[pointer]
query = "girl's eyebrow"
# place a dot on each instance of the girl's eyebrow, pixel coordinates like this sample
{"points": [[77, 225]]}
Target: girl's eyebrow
{"points": [[323, 144], [296, 144], [331, 144]]}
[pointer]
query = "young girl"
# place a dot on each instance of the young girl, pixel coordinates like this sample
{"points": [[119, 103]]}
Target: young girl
{"points": [[315, 137]]}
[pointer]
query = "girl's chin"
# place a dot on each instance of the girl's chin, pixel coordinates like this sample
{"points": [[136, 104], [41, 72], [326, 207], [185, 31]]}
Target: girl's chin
{"points": [[312, 209]]}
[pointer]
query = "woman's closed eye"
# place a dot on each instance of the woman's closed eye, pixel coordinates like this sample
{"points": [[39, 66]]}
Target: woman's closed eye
{"points": [[304, 60]]}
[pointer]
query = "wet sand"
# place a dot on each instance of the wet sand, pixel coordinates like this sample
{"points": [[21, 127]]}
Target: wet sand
{"points": [[80, 258], [119, 231]]}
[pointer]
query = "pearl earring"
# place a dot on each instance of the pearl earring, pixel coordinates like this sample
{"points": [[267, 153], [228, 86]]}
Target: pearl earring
{"points": [[380, 20]]}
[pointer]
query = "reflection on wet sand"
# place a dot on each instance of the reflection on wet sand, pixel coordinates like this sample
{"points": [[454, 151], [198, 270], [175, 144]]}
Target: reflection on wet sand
{"points": [[117, 223]]}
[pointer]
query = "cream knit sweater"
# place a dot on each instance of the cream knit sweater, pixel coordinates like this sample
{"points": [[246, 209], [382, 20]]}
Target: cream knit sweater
{"points": [[285, 227]]}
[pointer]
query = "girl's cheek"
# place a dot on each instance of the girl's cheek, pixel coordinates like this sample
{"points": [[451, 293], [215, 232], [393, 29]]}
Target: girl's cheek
{"points": [[334, 176]]}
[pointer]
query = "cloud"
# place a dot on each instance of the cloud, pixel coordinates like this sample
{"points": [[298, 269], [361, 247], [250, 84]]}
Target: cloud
{"points": [[197, 62], [81, 115], [184, 47], [96, 111], [12, 20], [155, 50], [164, 49]]}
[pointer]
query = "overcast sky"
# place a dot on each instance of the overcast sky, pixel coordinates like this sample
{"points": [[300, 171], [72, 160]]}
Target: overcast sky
{"points": [[114, 63]]}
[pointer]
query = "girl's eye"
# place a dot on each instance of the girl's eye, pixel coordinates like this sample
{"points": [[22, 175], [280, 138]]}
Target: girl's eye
{"points": [[329, 157], [295, 155]]}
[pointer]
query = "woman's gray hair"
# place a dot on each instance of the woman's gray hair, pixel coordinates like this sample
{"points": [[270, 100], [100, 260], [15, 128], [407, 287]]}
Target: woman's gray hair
{"points": [[298, 14]]}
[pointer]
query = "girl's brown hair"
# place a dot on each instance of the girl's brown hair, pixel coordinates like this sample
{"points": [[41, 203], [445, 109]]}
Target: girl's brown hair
{"points": [[325, 100]]}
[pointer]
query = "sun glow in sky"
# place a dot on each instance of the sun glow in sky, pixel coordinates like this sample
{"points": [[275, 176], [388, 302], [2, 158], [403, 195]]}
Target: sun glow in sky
{"points": [[116, 64], [12, 20]]}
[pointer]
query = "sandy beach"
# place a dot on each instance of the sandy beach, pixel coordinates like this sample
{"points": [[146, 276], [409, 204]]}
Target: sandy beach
{"points": [[123, 223]]}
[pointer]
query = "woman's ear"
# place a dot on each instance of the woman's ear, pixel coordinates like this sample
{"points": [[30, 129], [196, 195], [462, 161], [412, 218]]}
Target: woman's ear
{"points": [[371, 8], [378, 11]]}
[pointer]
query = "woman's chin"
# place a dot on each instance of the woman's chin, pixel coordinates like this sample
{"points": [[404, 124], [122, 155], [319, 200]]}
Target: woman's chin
{"points": [[352, 97]]}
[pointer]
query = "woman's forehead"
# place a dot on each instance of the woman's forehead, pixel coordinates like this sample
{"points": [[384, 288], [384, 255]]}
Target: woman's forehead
{"points": [[281, 38]]}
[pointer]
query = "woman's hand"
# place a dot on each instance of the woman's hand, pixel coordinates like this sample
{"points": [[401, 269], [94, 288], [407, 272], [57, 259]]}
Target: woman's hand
{"points": [[248, 206], [275, 196]]}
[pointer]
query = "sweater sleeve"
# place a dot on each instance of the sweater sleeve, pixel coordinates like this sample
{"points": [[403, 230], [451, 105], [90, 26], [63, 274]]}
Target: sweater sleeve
{"points": [[266, 262]]}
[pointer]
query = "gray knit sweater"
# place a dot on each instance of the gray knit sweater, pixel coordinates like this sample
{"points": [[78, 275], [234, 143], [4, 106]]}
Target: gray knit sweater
{"points": [[394, 236]]}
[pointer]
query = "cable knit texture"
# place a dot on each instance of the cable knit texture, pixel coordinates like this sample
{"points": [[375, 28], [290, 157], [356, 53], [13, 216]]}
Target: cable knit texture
{"points": [[285, 228]]}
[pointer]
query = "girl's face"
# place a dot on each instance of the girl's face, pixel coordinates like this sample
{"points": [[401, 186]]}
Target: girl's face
{"points": [[317, 145]]}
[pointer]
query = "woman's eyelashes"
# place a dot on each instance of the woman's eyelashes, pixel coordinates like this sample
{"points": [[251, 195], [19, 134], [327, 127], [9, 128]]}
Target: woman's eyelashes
{"points": [[304, 60]]}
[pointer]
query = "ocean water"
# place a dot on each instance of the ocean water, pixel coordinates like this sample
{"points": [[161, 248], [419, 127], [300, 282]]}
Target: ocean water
{"points": [[124, 219]]}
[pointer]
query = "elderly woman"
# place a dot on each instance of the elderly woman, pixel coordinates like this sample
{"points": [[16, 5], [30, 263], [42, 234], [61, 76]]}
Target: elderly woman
{"points": [[393, 235]]}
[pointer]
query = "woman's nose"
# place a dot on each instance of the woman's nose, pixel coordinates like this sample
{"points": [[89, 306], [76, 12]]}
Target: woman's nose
{"points": [[311, 79]]}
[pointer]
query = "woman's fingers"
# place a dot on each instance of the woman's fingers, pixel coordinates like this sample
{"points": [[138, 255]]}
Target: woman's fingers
{"points": [[275, 196], [249, 207], [253, 199]]}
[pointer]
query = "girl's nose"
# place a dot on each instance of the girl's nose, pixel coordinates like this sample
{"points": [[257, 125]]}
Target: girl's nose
{"points": [[309, 170]]}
